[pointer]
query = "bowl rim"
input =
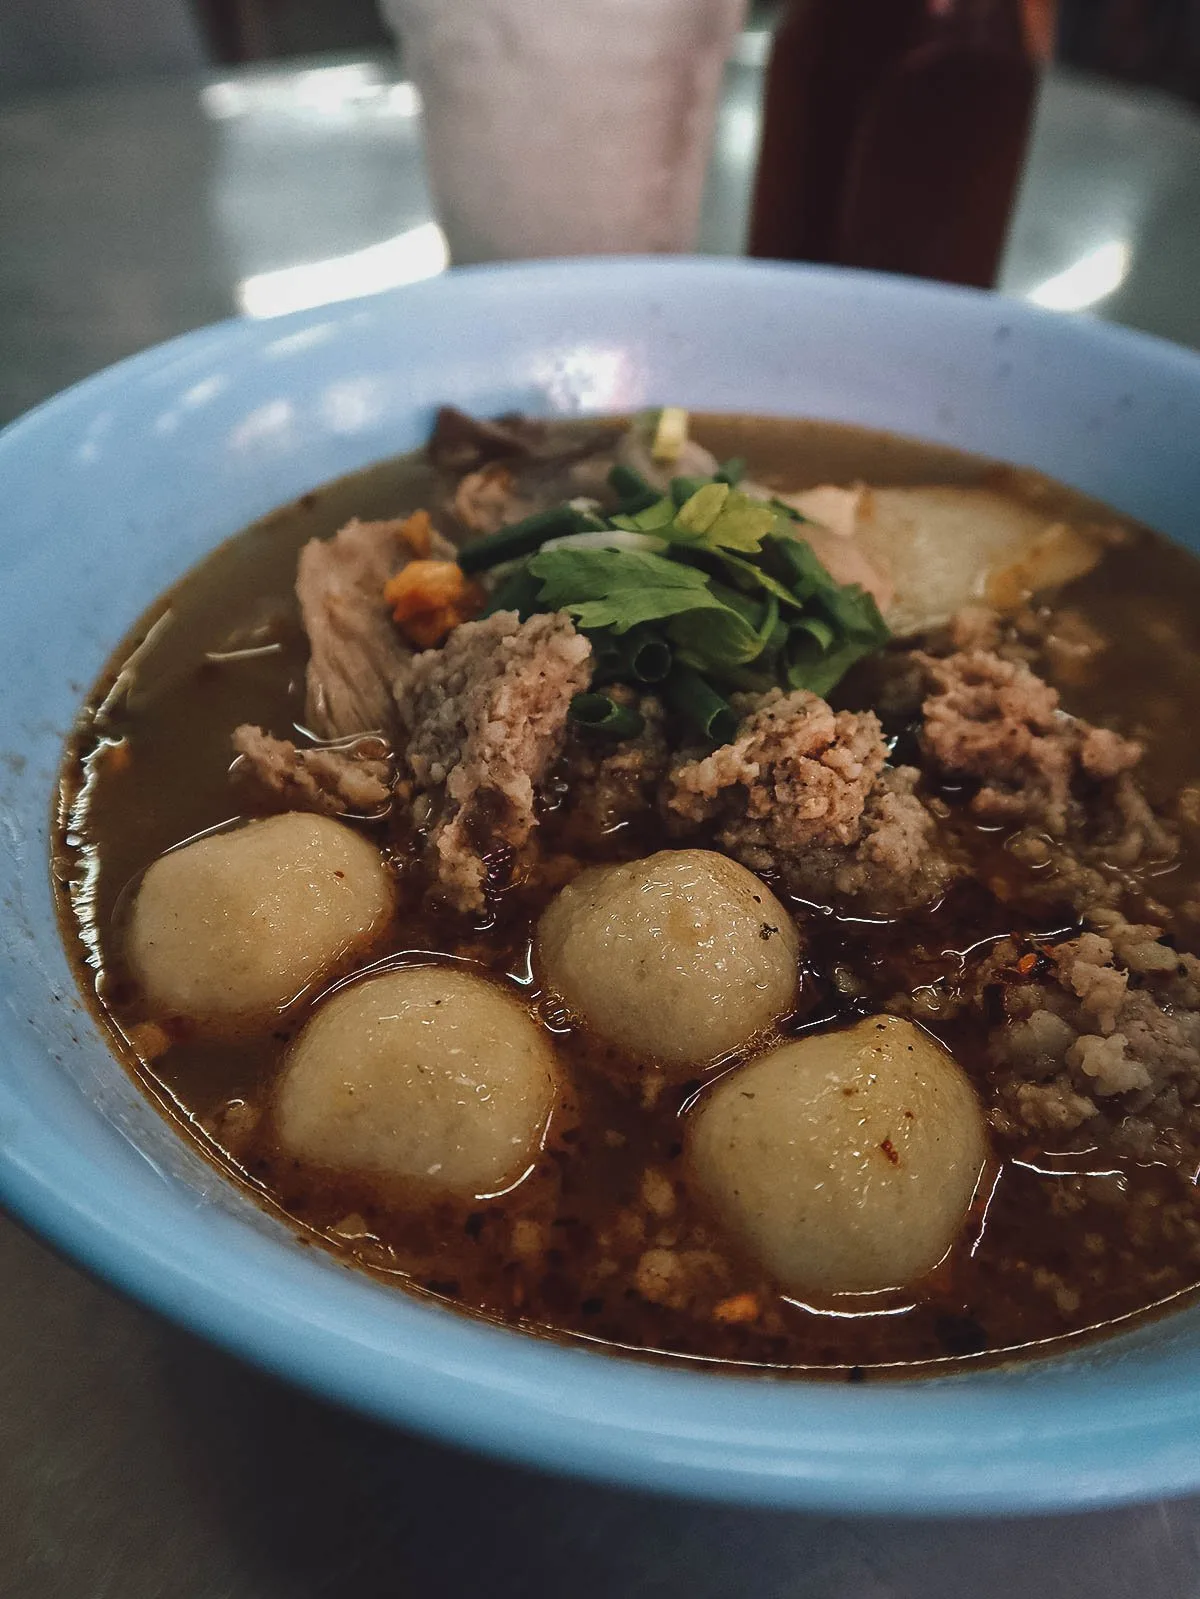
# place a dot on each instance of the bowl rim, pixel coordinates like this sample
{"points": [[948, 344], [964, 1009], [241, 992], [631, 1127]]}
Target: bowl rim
{"points": [[877, 1448]]}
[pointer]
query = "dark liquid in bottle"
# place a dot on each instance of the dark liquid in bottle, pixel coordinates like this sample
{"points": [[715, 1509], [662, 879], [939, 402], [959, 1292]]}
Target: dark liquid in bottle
{"points": [[894, 133]]}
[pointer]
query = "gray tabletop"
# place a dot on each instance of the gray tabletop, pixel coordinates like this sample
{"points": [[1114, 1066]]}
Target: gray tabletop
{"points": [[135, 1462]]}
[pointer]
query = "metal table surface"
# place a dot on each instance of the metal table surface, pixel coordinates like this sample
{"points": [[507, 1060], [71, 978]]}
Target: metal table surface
{"points": [[135, 1462]]}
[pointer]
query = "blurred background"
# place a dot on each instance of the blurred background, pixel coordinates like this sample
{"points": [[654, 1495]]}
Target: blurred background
{"points": [[1150, 42]]}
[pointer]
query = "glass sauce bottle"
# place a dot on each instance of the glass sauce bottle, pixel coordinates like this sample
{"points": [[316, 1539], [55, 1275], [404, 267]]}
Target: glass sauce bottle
{"points": [[894, 133]]}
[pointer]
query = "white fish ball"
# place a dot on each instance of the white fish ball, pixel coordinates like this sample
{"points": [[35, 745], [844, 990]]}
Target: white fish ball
{"points": [[844, 1162], [227, 930], [676, 959], [430, 1073]]}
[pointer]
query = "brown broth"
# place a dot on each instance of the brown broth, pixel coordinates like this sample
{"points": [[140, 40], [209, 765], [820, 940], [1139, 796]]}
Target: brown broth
{"points": [[1058, 1243]]}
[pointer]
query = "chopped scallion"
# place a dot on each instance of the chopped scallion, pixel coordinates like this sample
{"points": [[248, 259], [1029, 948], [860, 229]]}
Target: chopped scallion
{"points": [[600, 714], [817, 629], [632, 490], [699, 704], [521, 538], [647, 657]]}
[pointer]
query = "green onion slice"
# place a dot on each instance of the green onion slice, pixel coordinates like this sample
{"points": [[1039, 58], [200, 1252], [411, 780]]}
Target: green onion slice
{"points": [[600, 714]]}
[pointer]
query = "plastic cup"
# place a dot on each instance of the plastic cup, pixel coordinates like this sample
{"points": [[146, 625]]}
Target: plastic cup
{"points": [[576, 127]]}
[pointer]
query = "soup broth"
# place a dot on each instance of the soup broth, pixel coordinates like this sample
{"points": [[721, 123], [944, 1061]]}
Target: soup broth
{"points": [[605, 1239]]}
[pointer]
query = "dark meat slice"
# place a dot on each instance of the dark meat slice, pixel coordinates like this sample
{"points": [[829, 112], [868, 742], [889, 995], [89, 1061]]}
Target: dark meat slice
{"points": [[803, 792], [486, 716], [1102, 1032], [516, 465], [355, 649], [462, 443], [993, 720], [351, 780]]}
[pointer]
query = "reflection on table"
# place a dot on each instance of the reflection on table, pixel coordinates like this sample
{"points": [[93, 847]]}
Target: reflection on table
{"points": [[270, 189]]}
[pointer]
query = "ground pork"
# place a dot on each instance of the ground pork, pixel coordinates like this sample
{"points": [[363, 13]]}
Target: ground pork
{"points": [[898, 861], [798, 773], [487, 500], [605, 783], [486, 716], [355, 779], [895, 682], [1101, 1032], [995, 721], [1081, 825], [1051, 638], [803, 792], [681, 1279], [355, 649]]}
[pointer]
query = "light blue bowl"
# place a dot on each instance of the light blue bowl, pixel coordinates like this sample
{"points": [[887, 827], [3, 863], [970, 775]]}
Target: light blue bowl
{"points": [[114, 489]]}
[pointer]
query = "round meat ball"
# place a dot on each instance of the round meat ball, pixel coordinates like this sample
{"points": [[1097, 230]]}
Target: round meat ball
{"points": [[430, 1073], [227, 930], [844, 1162], [676, 959]]}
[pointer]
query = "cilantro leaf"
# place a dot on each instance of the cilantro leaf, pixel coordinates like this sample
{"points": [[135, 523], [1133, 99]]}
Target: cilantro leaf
{"points": [[726, 519], [713, 517], [820, 671], [698, 513], [732, 598], [854, 612], [619, 588], [655, 518], [568, 574], [843, 627], [756, 576], [714, 641], [720, 642]]}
